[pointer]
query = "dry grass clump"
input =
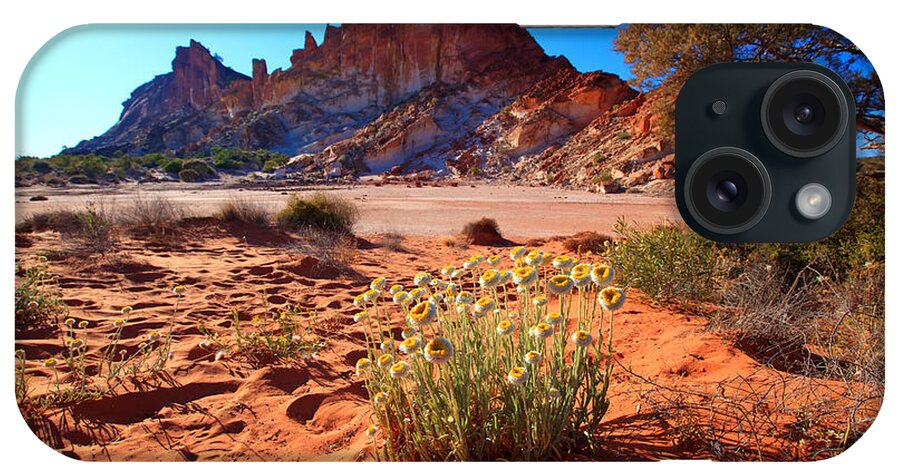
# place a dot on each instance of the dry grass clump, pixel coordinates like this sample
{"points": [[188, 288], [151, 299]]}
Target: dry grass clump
{"points": [[240, 210], [484, 231], [89, 230], [454, 242], [331, 251], [390, 241], [321, 211], [155, 214], [587, 242]]}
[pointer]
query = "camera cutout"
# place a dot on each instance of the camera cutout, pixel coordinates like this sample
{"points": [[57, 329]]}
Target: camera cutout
{"points": [[779, 167]]}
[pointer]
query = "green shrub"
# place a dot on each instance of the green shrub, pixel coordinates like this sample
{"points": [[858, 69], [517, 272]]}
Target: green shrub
{"points": [[319, 211], [173, 166], [195, 170], [38, 299], [668, 262], [623, 135]]}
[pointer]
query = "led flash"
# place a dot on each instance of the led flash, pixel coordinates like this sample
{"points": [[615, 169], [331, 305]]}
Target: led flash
{"points": [[813, 201]]}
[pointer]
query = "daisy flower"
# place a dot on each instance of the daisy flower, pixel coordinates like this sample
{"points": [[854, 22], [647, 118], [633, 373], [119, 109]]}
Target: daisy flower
{"points": [[438, 351], [371, 430], [560, 285], [534, 258], [379, 398], [179, 290], [385, 360], [359, 300], [563, 262], [409, 332], [370, 295], [465, 297], [582, 338], [541, 330], [126, 310], [601, 274], [422, 279], [581, 275], [360, 316], [524, 276], [411, 344], [386, 345], [402, 297], [505, 327], [377, 283], [553, 394], [611, 298], [517, 376], [83, 324], [51, 362], [489, 279], [119, 323], [517, 253], [484, 304], [463, 308], [452, 289], [362, 365], [422, 314], [416, 293], [70, 322], [395, 289], [457, 273], [399, 370], [553, 318], [440, 285], [493, 260], [448, 270], [539, 301], [533, 357], [473, 262]]}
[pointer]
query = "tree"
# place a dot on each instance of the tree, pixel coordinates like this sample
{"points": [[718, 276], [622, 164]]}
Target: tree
{"points": [[663, 57]]}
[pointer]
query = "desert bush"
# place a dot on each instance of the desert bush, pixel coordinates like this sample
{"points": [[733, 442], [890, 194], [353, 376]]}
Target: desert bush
{"points": [[390, 241], [587, 242], [61, 221], [38, 298], [321, 211], [484, 231], [332, 250], [96, 229], [490, 373], [173, 166], [154, 214], [239, 209], [668, 262], [195, 170]]}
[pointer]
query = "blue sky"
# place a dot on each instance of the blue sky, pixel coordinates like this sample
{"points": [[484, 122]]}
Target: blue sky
{"points": [[74, 86]]}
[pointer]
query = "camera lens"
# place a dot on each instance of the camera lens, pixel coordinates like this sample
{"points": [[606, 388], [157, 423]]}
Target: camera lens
{"points": [[727, 190], [804, 113]]}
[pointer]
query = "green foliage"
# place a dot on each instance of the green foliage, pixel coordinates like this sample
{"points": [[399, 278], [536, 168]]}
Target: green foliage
{"points": [[623, 135], [320, 211], [38, 298], [667, 262], [89, 168], [195, 170], [173, 166], [663, 56]]}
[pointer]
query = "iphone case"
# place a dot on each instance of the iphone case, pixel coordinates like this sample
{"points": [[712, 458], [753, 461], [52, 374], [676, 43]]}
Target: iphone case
{"points": [[421, 242]]}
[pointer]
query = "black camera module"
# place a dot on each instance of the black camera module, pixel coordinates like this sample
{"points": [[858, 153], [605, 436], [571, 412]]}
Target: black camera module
{"points": [[727, 190], [804, 113]]}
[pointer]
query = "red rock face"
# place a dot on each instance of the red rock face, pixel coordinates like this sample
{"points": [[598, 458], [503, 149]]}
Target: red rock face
{"points": [[371, 98]]}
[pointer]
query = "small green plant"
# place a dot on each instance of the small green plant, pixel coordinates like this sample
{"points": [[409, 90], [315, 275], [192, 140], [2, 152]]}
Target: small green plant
{"points": [[274, 336], [196, 170], [38, 298], [623, 135], [600, 158], [173, 166], [668, 262], [321, 211]]}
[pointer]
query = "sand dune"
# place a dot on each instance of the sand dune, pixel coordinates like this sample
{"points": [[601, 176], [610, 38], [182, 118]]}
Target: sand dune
{"points": [[316, 408]]}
